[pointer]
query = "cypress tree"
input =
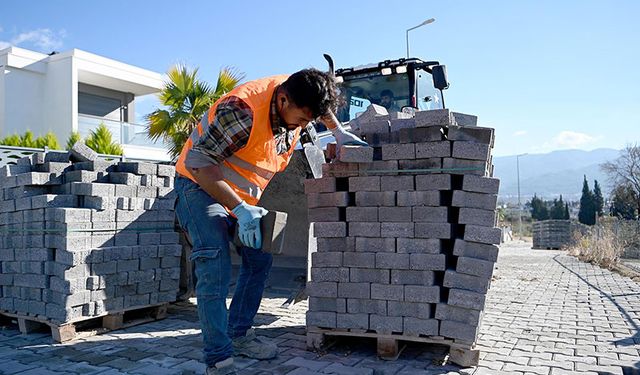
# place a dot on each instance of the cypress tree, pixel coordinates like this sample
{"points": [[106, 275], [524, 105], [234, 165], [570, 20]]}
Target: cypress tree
{"points": [[587, 212], [598, 200], [566, 211]]}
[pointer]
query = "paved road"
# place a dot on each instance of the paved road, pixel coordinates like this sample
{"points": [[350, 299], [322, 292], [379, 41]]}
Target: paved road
{"points": [[547, 314]]}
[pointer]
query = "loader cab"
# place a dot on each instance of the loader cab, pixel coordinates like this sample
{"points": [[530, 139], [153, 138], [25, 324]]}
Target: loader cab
{"points": [[394, 84]]}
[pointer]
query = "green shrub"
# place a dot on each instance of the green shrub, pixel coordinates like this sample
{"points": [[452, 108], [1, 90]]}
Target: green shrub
{"points": [[101, 141], [49, 140], [73, 138], [12, 140], [27, 140]]}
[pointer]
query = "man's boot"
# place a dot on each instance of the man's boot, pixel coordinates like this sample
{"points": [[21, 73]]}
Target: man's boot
{"points": [[225, 367]]}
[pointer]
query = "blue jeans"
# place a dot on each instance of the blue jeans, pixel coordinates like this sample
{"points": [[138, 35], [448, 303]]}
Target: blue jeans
{"points": [[211, 228]]}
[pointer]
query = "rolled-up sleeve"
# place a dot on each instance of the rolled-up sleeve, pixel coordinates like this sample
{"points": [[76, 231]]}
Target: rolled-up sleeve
{"points": [[229, 133]]}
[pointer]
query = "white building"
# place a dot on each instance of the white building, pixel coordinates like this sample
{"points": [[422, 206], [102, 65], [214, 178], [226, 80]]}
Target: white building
{"points": [[75, 91]]}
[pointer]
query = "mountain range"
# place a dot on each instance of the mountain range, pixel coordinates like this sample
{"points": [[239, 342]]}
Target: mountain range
{"points": [[549, 175]]}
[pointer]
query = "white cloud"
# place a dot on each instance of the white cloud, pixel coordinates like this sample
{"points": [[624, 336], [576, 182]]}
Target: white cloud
{"points": [[4, 44], [520, 133], [569, 139], [44, 39]]}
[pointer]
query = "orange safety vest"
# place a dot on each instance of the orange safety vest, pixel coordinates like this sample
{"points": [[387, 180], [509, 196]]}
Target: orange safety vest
{"points": [[249, 170]]}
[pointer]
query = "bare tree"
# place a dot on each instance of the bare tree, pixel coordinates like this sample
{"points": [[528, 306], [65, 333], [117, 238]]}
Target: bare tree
{"points": [[625, 170]]}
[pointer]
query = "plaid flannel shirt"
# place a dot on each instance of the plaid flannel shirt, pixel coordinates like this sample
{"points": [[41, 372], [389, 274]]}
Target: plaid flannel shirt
{"points": [[230, 132]]}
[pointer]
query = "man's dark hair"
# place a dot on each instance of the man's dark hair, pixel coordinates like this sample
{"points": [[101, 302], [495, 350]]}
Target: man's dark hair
{"points": [[386, 92], [313, 89]]}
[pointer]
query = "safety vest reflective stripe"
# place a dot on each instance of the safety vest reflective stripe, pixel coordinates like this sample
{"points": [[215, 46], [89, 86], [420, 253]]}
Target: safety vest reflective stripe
{"points": [[250, 167], [242, 183]]}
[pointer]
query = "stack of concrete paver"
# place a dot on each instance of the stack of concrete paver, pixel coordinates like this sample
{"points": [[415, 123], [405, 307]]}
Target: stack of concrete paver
{"points": [[404, 231], [551, 234], [85, 238]]}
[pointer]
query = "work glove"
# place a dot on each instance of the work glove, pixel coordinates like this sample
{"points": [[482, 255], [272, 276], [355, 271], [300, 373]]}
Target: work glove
{"points": [[249, 224], [344, 138]]}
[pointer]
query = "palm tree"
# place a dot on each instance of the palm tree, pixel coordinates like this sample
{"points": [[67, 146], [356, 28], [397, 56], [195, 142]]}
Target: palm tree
{"points": [[186, 99]]}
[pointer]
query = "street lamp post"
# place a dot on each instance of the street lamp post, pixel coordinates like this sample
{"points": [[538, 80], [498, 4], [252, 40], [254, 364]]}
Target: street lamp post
{"points": [[430, 20], [519, 204]]}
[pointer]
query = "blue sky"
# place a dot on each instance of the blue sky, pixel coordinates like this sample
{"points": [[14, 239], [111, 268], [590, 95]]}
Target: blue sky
{"points": [[547, 75]]}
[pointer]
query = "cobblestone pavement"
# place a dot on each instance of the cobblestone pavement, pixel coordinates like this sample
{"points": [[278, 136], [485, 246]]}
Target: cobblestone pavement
{"points": [[547, 314]]}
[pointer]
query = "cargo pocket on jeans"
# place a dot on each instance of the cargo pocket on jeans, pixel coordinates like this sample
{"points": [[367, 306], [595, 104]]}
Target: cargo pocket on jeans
{"points": [[207, 271]]}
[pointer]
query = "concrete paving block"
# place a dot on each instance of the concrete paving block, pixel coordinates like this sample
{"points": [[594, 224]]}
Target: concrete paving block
{"points": [[83, 176], [394, 214], [81, 152], [366, 306], [442, 117], [412, 277], [471, 150], [354, 290], [464, 166], [466, 299], [458, 330], [7, 206], [337, 199], [377, 167], [322, 289], [458, 314], [397, 183], [426, 134], [328, 304], [7, 255], [401, 230], [352, 321], [345, 244], [463, 119], [140, 168], [385, 324], [320, 185], [428, 182], [431, 165], [364, 183], [359, 260], [330, 229], [375, 126], [375, 245], [34, 178], [421, 293], [418, 245], [433, 230], [486, 235], [52, 200], [416, 326], [418, 198], [362, 214], [339, 275], [426, 214], [474, 216], [98, 203], [92, 189], [471, 134], [68, 214], [339, 169], [31, 280], [367, 275], [125, 178], [392, 261], [372, 113], [149, 239], [364, 229], [432, 262], [402, 123], [379, 139], [480, 184], [31, 267], [147, 191], [53, 167], [387, 292], [149, 263], [166, 170], [398, 151], [411, 309], [375, 198], [436, 149], [23, 204], [323, 214], [96, 166], [453, 279], [326, 259], [475, 250]]}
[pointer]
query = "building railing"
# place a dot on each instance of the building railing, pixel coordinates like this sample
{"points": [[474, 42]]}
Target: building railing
{"points": [[124, 133]]}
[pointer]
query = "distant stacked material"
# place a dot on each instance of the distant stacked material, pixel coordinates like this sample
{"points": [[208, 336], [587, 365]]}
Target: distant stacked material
{"points": [[405, 230], [551, 234], [83, 238]]}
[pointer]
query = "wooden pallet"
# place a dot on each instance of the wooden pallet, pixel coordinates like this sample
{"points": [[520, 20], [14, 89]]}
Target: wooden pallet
{"points": [[389, 346], [89, 326]]}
